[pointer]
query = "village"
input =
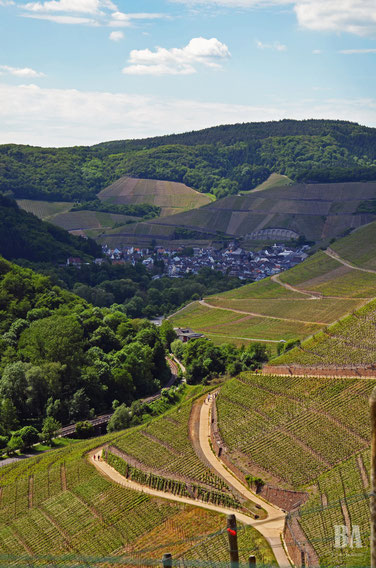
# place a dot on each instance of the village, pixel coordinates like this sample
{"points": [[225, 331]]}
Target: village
{"points": [[233, 260]]}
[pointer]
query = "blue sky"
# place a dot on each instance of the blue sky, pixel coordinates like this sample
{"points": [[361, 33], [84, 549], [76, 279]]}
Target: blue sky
{"points": [[85, 71]]}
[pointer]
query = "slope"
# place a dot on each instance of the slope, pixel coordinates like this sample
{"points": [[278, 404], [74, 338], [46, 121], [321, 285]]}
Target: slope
{"points": [[296, 303], [22, 235], [316, 211], [311, 434], [59, 505], [171, 197]]}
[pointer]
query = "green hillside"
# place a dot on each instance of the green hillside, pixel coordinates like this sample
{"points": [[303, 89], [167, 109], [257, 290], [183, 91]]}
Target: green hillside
{"points": [[222, 160], [58, 507], [24, 236], [294, 304], [61, 357], [306, 433], [292, 429]]}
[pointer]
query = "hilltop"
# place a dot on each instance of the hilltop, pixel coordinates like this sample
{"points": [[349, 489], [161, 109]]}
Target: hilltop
{"points": [[222, 160]]}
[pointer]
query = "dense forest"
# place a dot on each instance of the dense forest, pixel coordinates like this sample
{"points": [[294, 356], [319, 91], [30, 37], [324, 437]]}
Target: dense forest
{"points": [[144, 210], [221, 160], [24, 236], [62, 357]]}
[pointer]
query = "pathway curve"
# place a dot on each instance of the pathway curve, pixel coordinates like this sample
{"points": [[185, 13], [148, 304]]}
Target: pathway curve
{"points": [[312, 295], [272, 527], [266, 526], [254, 314], [330, 252]]}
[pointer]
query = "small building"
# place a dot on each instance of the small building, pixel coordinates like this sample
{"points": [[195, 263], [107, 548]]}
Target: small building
{"points": [[186, 334]]}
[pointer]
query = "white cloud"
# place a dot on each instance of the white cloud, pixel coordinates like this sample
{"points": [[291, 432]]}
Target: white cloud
{"points": [[7, 3], [57, 19], [82, 6], [351, 16], [317, 52], [177, 61], [56, 117], [24, 72], [116, 36], [356, 51], [276, 46], [120, 20]]}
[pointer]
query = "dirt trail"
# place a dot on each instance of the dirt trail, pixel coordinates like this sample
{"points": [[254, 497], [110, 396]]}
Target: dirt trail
{"points": [[312, 295], [266, 526], [272, 527], [254, 314], [330, 252]]}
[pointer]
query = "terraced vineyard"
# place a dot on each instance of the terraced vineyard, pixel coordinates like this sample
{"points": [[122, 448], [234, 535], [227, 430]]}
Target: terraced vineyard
{"points": [[58, 505], [340, 498], [163, 447], [349, 343], [293, 429], [45, 210]]}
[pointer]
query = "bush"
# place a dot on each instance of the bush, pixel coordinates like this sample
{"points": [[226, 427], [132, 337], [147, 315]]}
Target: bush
{"points": [[29, 436], [84, 429]]}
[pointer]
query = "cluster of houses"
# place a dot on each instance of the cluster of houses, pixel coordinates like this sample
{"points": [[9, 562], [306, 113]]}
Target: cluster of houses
{"points": [[234, 260]]}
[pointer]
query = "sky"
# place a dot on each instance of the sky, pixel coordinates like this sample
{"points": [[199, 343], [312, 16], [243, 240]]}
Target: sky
{"points": [[79, 72]]}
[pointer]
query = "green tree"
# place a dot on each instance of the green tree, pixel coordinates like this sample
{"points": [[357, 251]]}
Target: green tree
{"points": [[120, 419], [50, 429]]}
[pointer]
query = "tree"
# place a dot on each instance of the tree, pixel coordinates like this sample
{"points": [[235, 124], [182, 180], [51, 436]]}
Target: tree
{"points": [[167, 333], [29, 436], [50, 428], [120, 419], [8, 415], [79, 407], [14, 444]]}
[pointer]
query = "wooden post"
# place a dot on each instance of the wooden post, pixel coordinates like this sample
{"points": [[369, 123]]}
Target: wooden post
{"points": [[233, 541], [372, 402], [167, 560], [252, 562]]}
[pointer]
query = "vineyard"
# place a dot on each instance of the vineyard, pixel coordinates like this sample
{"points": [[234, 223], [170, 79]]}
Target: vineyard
{"points": [[173, 486], [163, 447], [350, 342], [293, 429], [57, 505], [340, 498]]}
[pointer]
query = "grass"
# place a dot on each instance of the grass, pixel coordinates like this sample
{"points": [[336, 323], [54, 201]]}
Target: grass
{"points": [[293, 429], [172, 197], [359, 247]]}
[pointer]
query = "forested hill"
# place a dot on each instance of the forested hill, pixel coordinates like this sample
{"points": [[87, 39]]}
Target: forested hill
{"points": [[62, 357], [222, 160], [22, 235]]}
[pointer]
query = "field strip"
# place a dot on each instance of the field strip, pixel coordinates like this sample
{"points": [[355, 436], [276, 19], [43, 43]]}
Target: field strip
{"points": [[332, 254], [204, 303], [271, 528]]}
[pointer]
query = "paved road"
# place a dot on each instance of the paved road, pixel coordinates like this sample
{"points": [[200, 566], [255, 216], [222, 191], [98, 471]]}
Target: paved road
{"points": [[272, 527]]}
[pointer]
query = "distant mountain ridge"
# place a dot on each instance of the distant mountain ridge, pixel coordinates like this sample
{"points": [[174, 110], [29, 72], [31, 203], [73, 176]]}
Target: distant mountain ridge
{"points": [[222, 160]]}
